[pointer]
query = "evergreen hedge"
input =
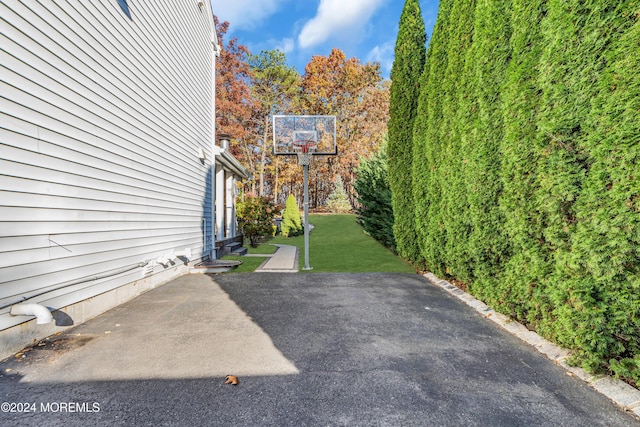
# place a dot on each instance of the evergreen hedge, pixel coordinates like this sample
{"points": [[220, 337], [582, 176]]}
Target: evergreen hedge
{"points": [[525, 167], [427, 146], [408, 65]]}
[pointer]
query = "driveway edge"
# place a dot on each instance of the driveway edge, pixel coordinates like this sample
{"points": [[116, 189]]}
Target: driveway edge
{"points": [[621, 393]]}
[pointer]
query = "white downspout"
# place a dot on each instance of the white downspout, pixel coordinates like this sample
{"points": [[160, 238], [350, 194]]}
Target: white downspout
{"points": [[42, 313], [214, 149]]}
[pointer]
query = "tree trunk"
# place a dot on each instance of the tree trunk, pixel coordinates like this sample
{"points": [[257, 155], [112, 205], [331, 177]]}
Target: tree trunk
{"points": [[263, 156]]}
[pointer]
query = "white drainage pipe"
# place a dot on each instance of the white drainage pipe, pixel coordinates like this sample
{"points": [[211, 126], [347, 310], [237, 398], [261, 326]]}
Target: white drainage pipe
{"points": [[42, 313]]}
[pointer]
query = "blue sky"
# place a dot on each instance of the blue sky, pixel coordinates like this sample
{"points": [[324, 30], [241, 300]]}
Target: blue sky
{"points": [[365, 29]]}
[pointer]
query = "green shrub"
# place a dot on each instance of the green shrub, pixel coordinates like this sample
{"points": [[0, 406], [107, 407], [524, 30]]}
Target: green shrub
{"points": [[597, 276], [291, 224], [255, 217], [375, 213]]}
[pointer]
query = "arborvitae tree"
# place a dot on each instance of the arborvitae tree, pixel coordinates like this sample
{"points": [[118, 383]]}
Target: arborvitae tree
{"points": [[338, 202], [518, 291], [420, 166], [550, 131], [410, 54], [458, 114], [428, 145], [291, 224], [598, 275], [375, 213], [490, 57], [571, 63]]}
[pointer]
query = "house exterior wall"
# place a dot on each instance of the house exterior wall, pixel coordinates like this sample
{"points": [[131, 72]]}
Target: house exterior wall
{"points": [[105, 108]]}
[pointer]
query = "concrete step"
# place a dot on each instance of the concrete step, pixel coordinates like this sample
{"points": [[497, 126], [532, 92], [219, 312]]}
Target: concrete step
{"points": [[239, 251], [229, 248]]}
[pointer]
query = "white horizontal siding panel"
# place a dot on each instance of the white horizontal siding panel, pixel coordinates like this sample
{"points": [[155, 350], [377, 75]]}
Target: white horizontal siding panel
{"points": [[96, 88], [73, 202], [31, 177], [24, 228], [100, 120], [70, 124], [85, 61], [169, 69], [16, 161], [31, 277], [25, 241], [54, 215], [170, 129], [54, 250], [58, 89]]}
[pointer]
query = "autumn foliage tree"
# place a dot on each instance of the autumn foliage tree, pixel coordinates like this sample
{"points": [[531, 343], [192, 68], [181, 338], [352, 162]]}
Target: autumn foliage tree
{"points": [[234, 101], [275, 87], [251, 88], [358, 96]]}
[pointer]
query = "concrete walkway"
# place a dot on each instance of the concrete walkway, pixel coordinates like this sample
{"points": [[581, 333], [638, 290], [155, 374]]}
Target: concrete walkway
{"points": [[284, 260]]}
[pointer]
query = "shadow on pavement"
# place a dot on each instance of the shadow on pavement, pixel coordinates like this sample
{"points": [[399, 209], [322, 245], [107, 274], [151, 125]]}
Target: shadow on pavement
{"points": [[315, 349]]}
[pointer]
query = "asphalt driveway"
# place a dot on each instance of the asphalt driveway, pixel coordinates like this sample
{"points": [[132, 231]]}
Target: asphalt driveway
{"points": [[310, 349]]}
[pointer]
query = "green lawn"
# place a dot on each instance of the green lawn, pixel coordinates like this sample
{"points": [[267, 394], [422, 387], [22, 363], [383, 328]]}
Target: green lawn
{"points": [[337, 244]]}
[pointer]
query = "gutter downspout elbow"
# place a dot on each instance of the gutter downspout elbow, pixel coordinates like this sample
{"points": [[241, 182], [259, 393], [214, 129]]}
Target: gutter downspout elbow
{"points": [[42, 313]]}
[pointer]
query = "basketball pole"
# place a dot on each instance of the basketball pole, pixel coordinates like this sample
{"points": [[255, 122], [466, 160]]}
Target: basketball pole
{"points": [[305, 168]]}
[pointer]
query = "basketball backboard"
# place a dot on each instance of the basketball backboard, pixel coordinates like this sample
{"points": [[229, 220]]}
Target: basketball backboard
{"points": [[304, 134]]}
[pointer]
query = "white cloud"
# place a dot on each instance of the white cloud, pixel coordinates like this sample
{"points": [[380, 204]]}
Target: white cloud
{"points": [[245, 14], [337, 17], [384, 54], [286, 45]]}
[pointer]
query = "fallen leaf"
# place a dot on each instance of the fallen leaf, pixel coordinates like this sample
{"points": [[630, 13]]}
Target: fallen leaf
{"points": [[231, 379]]}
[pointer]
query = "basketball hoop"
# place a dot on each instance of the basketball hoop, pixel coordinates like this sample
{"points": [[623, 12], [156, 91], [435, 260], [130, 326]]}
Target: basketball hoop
{"points": [[305, 137], [304, 148]]}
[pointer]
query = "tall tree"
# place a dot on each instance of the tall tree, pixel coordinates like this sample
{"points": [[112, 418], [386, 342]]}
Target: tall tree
{"points": [[605, 257], [459, 113], [490, 57], [518, 292], [275, 86], [358, 96], [234, 101], [410, 57], [428, 144], [590, 122]]}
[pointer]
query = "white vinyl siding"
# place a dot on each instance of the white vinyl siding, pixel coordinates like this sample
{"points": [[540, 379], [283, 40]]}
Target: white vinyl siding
{"points": [[101, 118]]}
